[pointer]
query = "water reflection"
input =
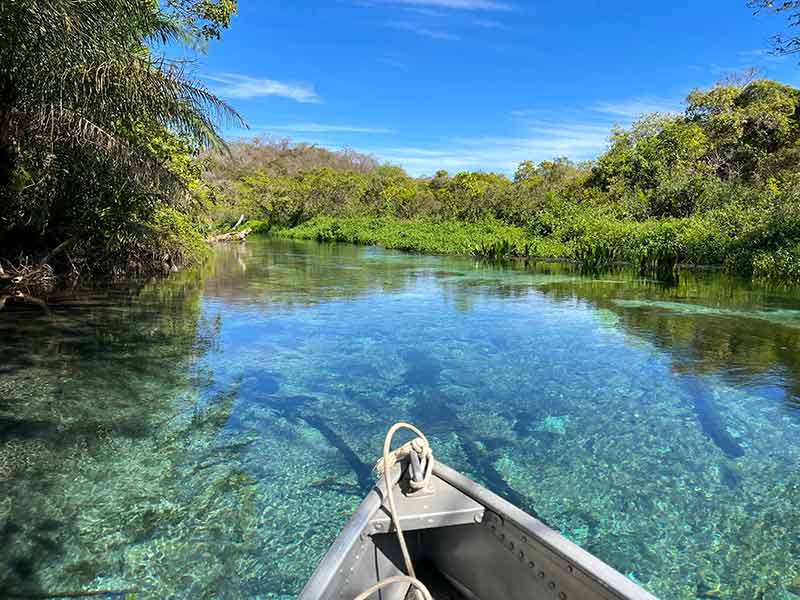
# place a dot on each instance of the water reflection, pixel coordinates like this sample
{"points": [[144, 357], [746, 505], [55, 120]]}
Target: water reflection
{"points": [[710, 325], [207, 435]]}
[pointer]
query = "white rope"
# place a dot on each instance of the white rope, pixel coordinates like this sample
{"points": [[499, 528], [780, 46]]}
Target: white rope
{"points": [[392, 580], [389, 459], [384, 466]]}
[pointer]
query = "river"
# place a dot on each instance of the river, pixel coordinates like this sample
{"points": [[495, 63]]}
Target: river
{"points": [[207, 435]]}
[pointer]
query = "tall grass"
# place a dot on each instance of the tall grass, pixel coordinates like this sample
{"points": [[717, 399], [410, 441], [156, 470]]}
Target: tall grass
{"points": [[763, 249]]}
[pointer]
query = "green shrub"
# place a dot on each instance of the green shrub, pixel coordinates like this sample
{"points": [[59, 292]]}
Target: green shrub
{"points": [[781, 265]]}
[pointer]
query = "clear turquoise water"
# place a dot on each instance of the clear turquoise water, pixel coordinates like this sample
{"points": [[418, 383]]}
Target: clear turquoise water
{"points": [[207, 436]]}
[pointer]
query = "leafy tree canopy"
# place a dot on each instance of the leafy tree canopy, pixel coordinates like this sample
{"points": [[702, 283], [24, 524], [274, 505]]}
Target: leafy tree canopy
{"points": [[88, 103]]}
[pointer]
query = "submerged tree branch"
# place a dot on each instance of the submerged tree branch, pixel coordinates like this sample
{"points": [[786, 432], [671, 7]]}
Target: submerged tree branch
{"points": [[57, 250], [25, 298]]}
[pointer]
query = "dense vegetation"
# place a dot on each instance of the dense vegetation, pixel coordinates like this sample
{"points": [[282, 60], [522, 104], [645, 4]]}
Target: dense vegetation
{"points": [[97, 133], [715, 185], [110, 163]]}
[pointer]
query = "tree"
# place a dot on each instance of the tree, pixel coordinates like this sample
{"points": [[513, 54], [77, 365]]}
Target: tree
{"points": [[204, 18], [783, 44], [753, 130], [85, 97]]}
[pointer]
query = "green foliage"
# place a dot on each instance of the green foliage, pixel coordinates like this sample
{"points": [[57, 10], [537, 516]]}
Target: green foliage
{"points": [[98, 129], [204, 18], [488, 237], [782, 265], [716, 185]]}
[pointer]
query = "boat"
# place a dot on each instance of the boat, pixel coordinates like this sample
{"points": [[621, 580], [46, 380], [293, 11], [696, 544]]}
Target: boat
{"points": [[427, 530]]}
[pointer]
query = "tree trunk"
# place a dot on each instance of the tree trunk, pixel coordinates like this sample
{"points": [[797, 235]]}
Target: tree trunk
{"points": [[8, 155]]}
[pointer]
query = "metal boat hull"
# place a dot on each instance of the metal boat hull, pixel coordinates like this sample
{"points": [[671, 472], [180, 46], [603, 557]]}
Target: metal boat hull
{"points": [[466, 542]]}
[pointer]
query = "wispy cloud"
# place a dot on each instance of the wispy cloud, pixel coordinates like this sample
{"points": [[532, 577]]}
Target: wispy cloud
{"points": [[765, 60], [539, 141], [478, 5], [427, 12], [432, 15], [633, 108], [393, 63], [233, 85], [488, 23], [523, 112], [762, 54], [579, 134], [425, 31], [323, 128]]}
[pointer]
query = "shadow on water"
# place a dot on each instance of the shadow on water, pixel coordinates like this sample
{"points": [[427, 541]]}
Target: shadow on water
{"points": [[305, 408], [72, 383], [362, 470], [710, 324], [710, 417], [431, 411], [434, 413]]}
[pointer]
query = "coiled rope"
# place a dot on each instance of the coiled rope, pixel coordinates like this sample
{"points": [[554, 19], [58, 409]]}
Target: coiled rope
{"points": [[421, 465], [391, 581]]}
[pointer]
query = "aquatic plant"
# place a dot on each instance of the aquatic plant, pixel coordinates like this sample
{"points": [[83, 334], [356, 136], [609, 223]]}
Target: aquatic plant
{"points": [[494, 249], [595, 256]]}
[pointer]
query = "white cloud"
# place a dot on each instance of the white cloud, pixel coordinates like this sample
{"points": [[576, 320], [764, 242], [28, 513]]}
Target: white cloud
{"points": [[539, 141], [522, 112], [488, 24], [426, 12], [539, 135], [322, 128], [424, 31], [486, 5], [634, 108], [763, 55], [232, 85], [433, 10]]}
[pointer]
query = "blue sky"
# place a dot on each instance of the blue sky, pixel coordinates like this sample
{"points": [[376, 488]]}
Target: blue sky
{"points": [[476, 84]]}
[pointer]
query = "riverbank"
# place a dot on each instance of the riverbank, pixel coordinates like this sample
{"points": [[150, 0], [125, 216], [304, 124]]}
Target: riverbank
{"points": [[656, 247], [428, 236]]}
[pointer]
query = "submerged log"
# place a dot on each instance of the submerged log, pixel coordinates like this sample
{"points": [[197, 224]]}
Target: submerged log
{"points": [[233, 236], [21, 298]]}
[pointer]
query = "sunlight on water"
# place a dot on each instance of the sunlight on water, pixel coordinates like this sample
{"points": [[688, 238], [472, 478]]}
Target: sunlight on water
{"points": [[208, 435]]}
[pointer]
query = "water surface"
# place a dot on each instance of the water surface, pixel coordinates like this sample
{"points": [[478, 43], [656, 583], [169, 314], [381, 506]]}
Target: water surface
{"points": [[208, 435]]}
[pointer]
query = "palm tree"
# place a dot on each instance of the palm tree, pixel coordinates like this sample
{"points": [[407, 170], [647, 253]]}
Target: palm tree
{"points": [[83, 89]]}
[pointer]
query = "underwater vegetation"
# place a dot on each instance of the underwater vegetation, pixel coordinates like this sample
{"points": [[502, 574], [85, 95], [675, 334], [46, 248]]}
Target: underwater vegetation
{"points": [[209, 436]]}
